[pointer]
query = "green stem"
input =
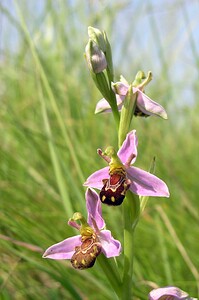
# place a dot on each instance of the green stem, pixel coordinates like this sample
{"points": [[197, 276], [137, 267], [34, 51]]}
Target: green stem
{"points": [[128, 253], [131, 207], [104, 86], [127, 112], [111, 271], [114, 108]]}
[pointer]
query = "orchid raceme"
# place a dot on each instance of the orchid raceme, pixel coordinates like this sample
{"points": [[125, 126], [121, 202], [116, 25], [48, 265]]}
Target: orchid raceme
{"points": [[120, 175], [83, 249], [169, 293], [144, 105]]}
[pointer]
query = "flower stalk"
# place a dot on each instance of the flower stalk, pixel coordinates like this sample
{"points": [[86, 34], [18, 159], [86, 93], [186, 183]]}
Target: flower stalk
{"points": [[130, 206], [131, 209], [112, 274]]}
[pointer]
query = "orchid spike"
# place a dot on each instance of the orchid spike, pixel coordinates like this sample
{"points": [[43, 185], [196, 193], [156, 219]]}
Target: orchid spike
{"points": [[120, 175], [83, 249]]}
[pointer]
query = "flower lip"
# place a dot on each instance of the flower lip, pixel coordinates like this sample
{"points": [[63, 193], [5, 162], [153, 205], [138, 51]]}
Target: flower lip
{"points": [[85, 255], [114, 189]]}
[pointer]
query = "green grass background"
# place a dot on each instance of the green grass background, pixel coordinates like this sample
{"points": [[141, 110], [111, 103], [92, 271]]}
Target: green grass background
{"points": [[49, 136]]}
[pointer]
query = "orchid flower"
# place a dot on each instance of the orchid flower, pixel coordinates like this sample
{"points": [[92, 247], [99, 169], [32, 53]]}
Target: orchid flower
{"points": [[115, 179], [83, 249], [144, 105], [169, 293]]}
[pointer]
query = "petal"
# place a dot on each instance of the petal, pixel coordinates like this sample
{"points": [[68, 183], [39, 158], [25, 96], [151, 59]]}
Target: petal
{"points": [[93, 205], [146, 184], [120, 88], [170, 293], [95, 179], [110, 246], [128, 151], [148, 106], [104, 107], [63, 250], [74, 224]]}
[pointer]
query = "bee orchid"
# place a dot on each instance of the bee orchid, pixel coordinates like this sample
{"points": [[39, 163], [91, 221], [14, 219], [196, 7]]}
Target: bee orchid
{"points": [[115, 179], [144, 105], [83, 249]]}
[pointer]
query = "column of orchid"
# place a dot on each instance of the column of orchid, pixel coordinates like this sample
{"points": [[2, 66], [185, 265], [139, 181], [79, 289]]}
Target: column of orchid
{"points": [[119, 183]]}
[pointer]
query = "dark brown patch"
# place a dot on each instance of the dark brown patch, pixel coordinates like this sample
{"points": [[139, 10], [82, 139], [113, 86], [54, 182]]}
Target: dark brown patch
{"points": [[139, 113], [86, 254], [114, 189]]}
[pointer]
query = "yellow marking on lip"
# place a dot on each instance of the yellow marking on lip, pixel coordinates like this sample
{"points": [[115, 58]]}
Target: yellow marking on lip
{"points": [[112, 198], [83, 262], [103, 198]]}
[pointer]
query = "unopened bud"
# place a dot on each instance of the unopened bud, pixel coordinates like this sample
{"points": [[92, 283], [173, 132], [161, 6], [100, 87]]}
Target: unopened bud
{"points": [[98, 37], [95, 58]]}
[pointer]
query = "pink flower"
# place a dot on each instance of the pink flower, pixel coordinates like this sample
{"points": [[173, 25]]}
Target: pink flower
{"points": [[83, 249], [121, 175], [168, 293], [144, 105]]}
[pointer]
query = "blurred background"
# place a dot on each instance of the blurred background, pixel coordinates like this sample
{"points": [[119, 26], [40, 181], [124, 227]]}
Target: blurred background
{"points": [[49, 136]]}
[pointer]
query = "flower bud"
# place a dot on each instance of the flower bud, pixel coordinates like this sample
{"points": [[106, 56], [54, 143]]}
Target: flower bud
{"points": [[95, 58], [98, 37]]}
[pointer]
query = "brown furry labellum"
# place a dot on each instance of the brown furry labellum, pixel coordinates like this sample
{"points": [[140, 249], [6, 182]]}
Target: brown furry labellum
{"points": [[139, 113], [86, 254], [114, 189]]}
